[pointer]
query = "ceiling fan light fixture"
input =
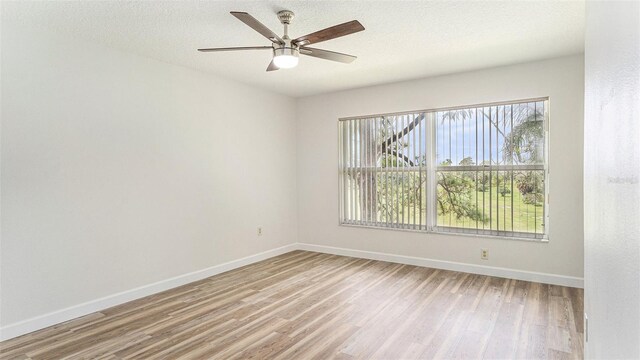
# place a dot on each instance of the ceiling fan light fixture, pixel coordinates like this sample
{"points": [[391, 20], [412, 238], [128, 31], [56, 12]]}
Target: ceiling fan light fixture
{"points": [[285, 57]]}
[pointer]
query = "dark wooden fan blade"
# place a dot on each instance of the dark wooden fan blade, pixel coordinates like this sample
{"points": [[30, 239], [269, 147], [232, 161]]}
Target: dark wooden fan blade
{"points": [[330, 33], [257, 26], [272, 67], [237, 48], [327, 55]]}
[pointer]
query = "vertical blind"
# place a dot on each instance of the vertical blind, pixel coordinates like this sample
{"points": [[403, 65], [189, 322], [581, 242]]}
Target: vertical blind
{"points": [[479, 170], [383, 171]]}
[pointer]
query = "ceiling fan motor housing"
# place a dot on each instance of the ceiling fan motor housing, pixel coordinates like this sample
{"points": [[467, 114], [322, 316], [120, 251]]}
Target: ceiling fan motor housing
{"points": [[286, 50]]}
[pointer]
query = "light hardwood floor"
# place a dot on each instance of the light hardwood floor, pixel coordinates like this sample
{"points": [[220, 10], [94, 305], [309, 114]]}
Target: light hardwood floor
{"points": [[305, 305]]}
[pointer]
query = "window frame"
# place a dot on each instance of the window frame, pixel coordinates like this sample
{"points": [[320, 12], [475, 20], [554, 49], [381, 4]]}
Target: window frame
{"points": [[431, 226]]}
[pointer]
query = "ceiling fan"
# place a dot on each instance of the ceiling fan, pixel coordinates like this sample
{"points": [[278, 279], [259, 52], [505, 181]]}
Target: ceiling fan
{"points": [[285, 50]]}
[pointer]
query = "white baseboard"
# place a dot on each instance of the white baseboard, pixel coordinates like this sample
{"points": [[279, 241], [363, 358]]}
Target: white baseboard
{"points": [[56, 317], [450, 265]]}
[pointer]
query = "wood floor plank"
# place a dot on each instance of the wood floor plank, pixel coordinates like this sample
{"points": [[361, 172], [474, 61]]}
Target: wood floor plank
{"points": [[319, 306]]}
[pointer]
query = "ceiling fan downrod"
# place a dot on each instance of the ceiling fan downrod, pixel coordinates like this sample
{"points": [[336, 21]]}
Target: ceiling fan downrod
{"points": [[285, 17]]}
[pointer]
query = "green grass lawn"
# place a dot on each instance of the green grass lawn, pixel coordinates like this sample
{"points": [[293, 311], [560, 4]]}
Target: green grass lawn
{"points": [[497, 210], [526, 217]]}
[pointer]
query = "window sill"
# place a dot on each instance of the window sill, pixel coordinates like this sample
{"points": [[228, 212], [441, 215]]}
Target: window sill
{"points": [[449, 233]]}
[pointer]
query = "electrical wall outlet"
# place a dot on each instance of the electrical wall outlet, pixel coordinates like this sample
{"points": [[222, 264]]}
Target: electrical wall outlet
{"points": [[484, 254], [259, 231]]}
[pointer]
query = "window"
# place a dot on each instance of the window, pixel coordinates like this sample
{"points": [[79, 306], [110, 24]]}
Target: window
{"points": [[477, 170]]}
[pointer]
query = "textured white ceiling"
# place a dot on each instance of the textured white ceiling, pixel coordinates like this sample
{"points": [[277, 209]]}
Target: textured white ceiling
{"points": [[402, 40]]}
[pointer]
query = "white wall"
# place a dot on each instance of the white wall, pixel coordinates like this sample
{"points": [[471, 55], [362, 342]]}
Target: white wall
{"points": [[560, 79], [612, 176], [119, 171]]}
